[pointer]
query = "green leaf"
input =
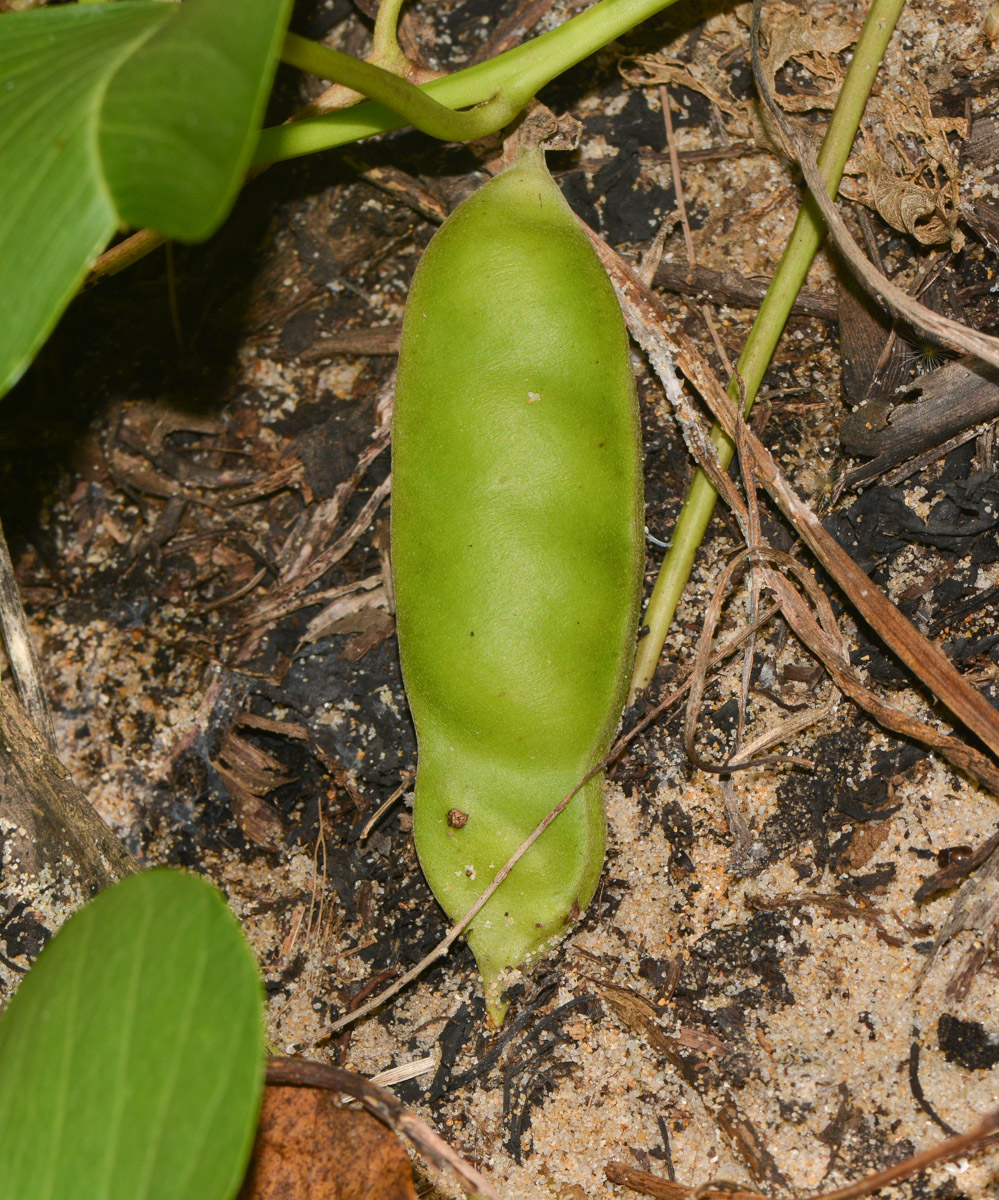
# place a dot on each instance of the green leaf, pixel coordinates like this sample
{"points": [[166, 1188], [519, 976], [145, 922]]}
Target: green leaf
{"points": [[142, 113], [132, 1055], [55, 211], [181, 117]]}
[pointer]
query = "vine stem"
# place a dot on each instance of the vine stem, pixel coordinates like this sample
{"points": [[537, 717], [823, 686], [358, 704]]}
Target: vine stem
{"points": [[806, 237], [385, 52], [509, 80], [404, 99], [385, 48]]}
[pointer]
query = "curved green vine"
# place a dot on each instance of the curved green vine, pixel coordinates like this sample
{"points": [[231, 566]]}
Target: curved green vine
{"points": [[405, 99], [507, 81]]}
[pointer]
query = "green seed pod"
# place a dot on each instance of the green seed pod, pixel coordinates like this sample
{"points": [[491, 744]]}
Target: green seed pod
{"points": [[516, 554]]}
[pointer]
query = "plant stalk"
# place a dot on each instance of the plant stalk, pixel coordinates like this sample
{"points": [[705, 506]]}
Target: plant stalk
{"points": [[510, 79], [385, 48], [405, 99], [806, 237]]}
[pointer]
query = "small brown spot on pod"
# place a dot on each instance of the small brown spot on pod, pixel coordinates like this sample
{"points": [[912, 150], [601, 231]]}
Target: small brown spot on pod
{"points": [[457, 819]]}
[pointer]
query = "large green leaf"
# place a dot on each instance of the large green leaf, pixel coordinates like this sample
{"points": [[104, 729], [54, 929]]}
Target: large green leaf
{"points": [[55, 211], [181, 117], [141, 113], [131, 1057]]}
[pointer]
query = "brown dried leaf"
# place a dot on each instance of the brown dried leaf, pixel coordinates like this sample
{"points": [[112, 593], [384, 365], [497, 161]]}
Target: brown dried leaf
{"points": [[792, 34], [923, 212], [911, 172], [310, 1148], [721, 35], [146, 426], [652, 69], [258, 771], [374, 629], [249, 773], [255, 817], [640, 1017]]}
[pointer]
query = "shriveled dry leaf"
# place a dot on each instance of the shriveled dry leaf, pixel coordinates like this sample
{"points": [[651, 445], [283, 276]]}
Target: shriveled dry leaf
{"points": [[905, 205], [816, 44], [249, 774], [652, 69], [723, 34], [911, 172], [909, 169], [310, 1148]]}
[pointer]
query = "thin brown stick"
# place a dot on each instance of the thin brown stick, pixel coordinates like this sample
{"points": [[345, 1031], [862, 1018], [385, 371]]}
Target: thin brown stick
{"points": [[955, 1147], [653, 1185], [824, 639], [742, 761], [681, 208], [372, 821], [848, 681], [21, 655], [785, 731], [729, 287], [124, 254], [674, 165], [754, 538], [286, 597]]}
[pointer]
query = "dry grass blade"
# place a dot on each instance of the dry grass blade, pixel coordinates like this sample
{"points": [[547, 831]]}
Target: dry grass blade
{"points": [[926, 661], [285, 598], [830, 653], [754, 538], [743, 759]]}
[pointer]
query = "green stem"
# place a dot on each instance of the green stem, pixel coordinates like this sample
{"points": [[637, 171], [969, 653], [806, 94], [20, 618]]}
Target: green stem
{"points": [[511, 79], [401, 97], [806, 237], [385, 48]]}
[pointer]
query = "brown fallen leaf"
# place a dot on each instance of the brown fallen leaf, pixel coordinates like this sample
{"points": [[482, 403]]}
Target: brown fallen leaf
{"points": [[310, 1148]]}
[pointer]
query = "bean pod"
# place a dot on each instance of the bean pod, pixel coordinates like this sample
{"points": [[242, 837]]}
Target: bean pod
{"points": [[516, 553]]}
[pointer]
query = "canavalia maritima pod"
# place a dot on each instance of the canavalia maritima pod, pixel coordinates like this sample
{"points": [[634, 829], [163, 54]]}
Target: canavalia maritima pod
{"points": [[516, 553]]}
